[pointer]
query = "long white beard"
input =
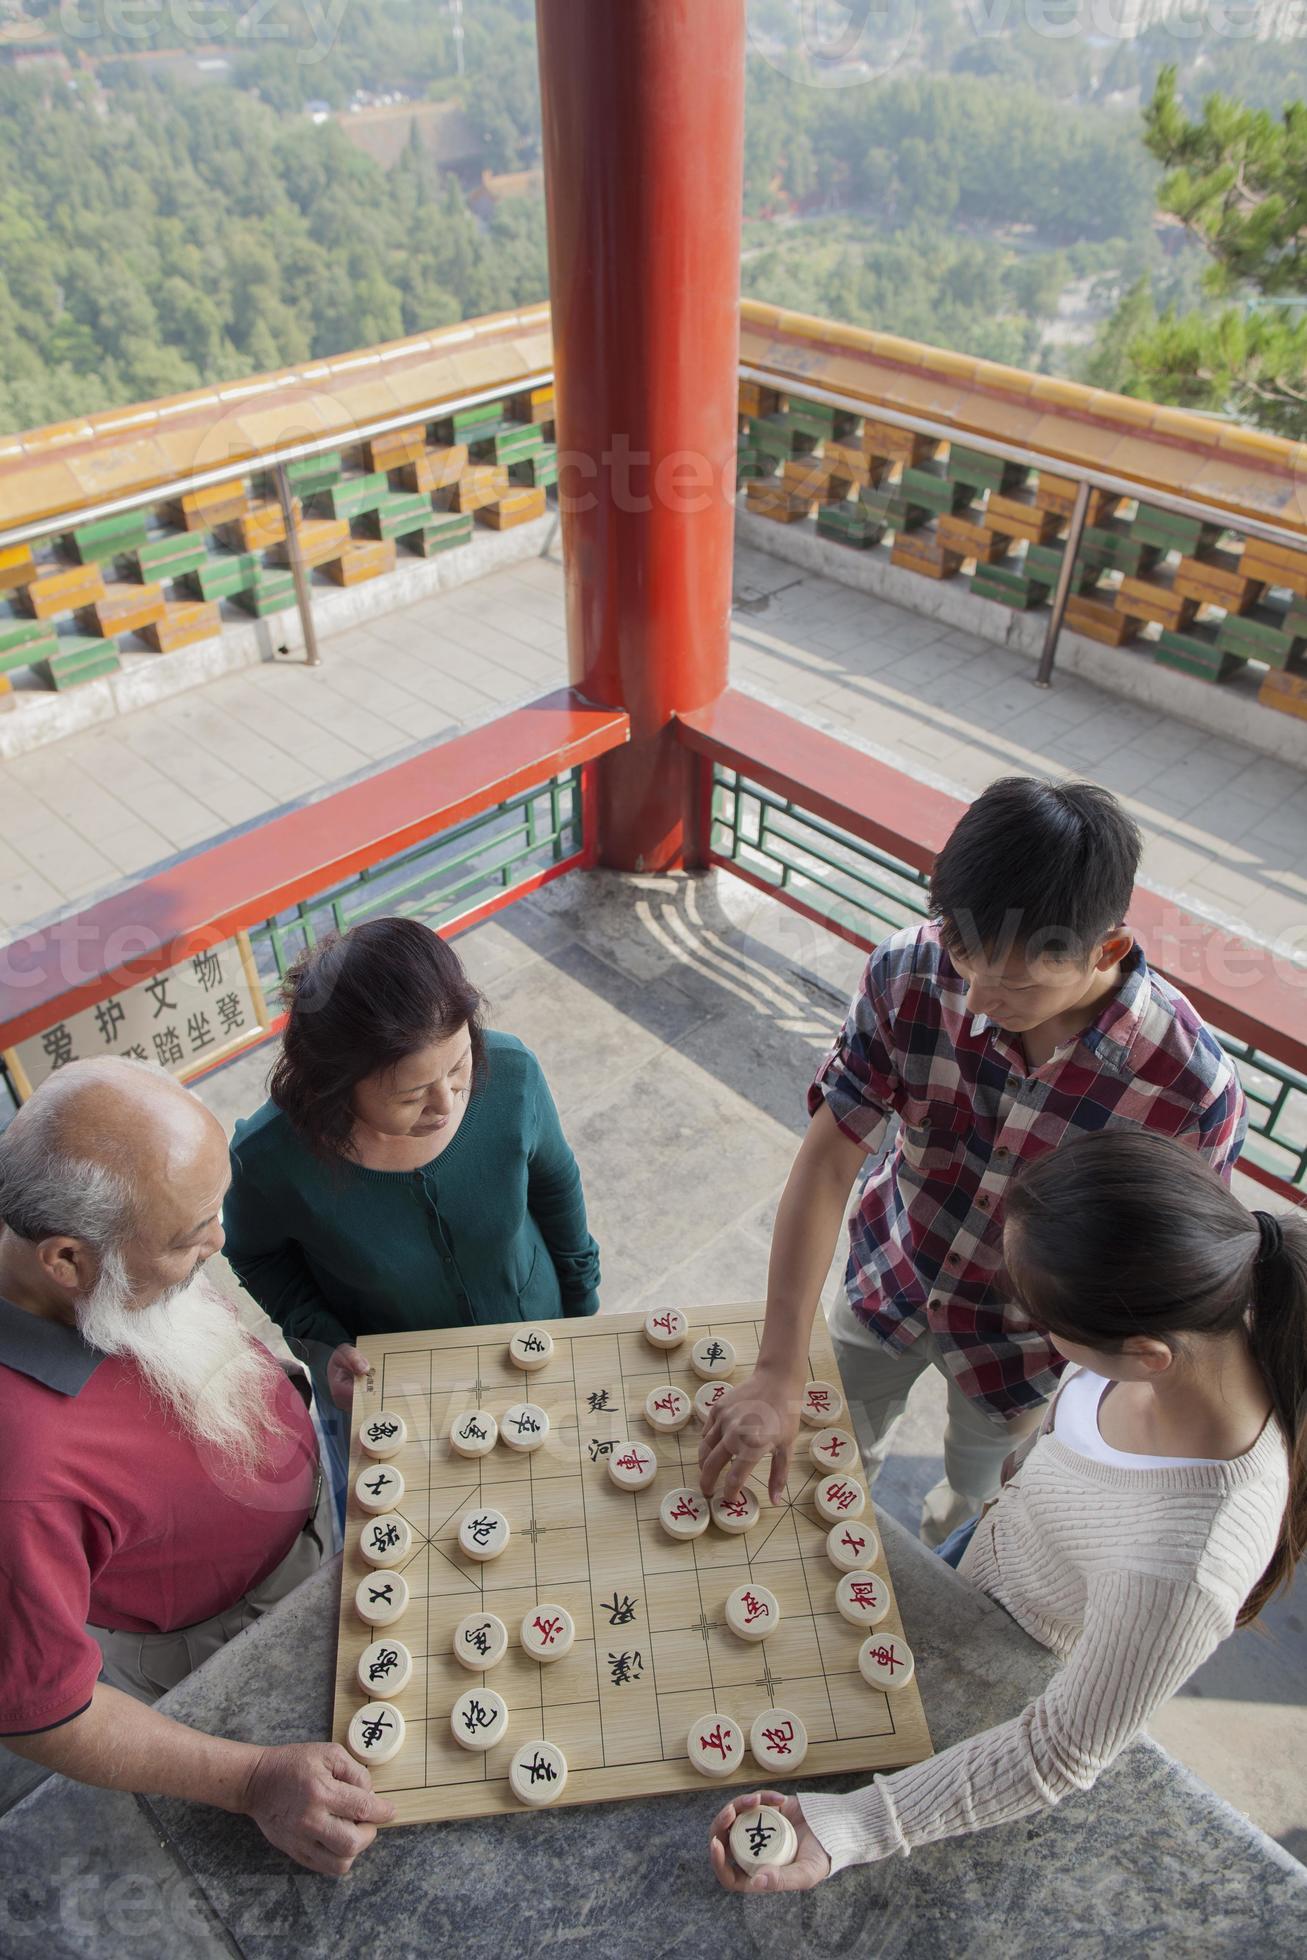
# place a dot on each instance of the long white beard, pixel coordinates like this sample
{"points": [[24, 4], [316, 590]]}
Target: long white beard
{"points": [[195, 1357]]}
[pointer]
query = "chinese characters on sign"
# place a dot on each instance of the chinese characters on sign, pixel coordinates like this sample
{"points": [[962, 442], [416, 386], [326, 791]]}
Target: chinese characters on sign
{"points": [[183, 1019]]}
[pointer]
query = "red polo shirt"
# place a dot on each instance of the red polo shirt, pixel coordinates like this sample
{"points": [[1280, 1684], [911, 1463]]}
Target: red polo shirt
{"points": [[110, 1515]]}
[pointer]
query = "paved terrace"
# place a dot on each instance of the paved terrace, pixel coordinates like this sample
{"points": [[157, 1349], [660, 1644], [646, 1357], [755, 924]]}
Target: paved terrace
{"points": [[1226, 826], [678, 1020]]}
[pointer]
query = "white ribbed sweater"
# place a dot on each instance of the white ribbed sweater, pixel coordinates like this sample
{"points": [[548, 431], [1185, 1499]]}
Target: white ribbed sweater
{"points": [[1132, 1577]]}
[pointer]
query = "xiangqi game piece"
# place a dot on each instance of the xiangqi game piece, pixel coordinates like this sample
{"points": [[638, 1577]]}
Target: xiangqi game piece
{"points": [[738, 1514], [480, 1641], [383, 1434], [381, 1598], [537, 1773], [752, 1612], [385, 1668], [376, 1733], [862, 1598], [531, 1349], [525, 1426], [840, 1497], [547, 1633], [833, 1449], [763, 1836], [715, 1745], [478, 1719], [665, 1327], [474, 1433], [778, 1740], [378, 1488], [483, 1533], [707, 1398], [852, 1545], [712, 1358], [684, 1513], [821, 1404], [386, 1541], [667, 1408], [885, 1661], [633, 1466]]}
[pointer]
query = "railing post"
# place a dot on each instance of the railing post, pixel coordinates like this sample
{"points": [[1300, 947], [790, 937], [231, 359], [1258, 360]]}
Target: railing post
{"points": [[643, 114], [303, 597], [1075, 533]]}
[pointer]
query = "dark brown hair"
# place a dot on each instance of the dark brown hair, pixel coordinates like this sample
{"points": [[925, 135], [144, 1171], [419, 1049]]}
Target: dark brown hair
{"points": [[1129, 1233], [359, 1003]]}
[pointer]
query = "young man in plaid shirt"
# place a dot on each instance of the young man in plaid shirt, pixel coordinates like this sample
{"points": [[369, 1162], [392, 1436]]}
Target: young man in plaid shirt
{"points": [[1022, 1015]]}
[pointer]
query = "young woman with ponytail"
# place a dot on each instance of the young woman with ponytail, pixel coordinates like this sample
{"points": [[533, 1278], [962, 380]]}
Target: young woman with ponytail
{"points": [[1161, 1505]]}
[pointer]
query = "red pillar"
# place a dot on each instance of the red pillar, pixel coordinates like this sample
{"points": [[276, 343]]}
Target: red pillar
{"points": [[643, 105]]}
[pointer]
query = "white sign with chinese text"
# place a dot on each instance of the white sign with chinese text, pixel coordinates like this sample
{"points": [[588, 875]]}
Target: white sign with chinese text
{"points": [[184, 1019]]}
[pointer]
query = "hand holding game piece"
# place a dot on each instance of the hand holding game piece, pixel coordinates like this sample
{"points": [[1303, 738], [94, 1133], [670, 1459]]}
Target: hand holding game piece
{"points": [[480, 1641], [315, 1803], [386, 1667], [665, 1327], [478, 1719], [851, 1546], [712, 1358], [633, 1466], [757, 1419], [820, 1403], [531, 1350], [386, 1541], [483, 1533], [833, 1449], [809, 1866], [840, 1497], [667, 1408], [862, 1598], [763, 1837], [537, 1773], [347, 1364], [684, 1513], [378, 1488], [778, 1740], [715, 1744], [752, 1612], [376, 1733], [886, 1661], [474, 1433], [383, 1434], [707, 1400], [547, 1633], [735, 1514], [525, 1426], [381, 1598]]}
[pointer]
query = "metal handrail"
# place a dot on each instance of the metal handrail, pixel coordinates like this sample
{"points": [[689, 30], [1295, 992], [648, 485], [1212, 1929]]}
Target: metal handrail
{"points": [[266, 459]]}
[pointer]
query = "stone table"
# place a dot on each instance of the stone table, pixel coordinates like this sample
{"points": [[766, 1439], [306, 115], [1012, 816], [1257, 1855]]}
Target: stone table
{"points": [[1148, 1861]]}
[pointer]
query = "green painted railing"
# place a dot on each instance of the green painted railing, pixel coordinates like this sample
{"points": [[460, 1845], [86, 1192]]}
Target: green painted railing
{"points": [[866, 893]]}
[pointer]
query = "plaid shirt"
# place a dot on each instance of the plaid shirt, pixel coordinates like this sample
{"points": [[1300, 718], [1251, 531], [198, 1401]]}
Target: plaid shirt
{"points": [[925, 1244]]}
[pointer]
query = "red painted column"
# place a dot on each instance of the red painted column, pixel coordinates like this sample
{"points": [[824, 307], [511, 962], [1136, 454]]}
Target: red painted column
{"points": [[643, 104]]}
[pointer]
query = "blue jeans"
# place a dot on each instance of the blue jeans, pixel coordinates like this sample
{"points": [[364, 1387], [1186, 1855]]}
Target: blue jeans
{"points": [[956, 1543]]}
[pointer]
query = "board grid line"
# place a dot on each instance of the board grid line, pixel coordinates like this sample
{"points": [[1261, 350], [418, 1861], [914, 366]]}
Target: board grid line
{"points": [[644, 1576]]}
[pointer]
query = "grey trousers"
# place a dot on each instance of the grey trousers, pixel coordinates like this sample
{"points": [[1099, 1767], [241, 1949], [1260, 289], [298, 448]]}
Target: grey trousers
{"points": [[146, 1665]]}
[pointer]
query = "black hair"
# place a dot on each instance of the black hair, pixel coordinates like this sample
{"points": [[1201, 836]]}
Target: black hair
{"points": [[359, 1003], [1040, 868], [1129, 1232]]}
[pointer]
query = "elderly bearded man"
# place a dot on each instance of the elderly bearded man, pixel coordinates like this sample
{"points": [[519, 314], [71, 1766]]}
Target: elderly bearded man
{"points": [[159, 1481]]}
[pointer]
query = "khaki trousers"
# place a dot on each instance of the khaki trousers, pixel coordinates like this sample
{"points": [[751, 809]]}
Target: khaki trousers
{"points": [[977, 1442], [146, 1665]]}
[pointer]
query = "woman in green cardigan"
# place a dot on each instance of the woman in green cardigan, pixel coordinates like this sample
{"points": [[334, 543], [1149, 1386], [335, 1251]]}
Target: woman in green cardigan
{"points": [[409, 1169]]}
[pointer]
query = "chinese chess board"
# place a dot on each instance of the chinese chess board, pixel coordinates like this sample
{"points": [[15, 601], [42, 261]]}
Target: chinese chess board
{"points": [[653, 1652]]}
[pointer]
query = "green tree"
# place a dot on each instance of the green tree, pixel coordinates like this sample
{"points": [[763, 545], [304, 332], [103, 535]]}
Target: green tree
{"points": [[1237, 180]]}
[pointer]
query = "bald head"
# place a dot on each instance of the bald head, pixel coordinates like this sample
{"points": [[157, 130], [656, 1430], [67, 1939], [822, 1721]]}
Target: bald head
{"points": [[114, 1155]]}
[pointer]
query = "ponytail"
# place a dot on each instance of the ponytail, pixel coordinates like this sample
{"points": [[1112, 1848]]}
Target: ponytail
{"points": [[1278, 1335], [1125, 1233]]}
